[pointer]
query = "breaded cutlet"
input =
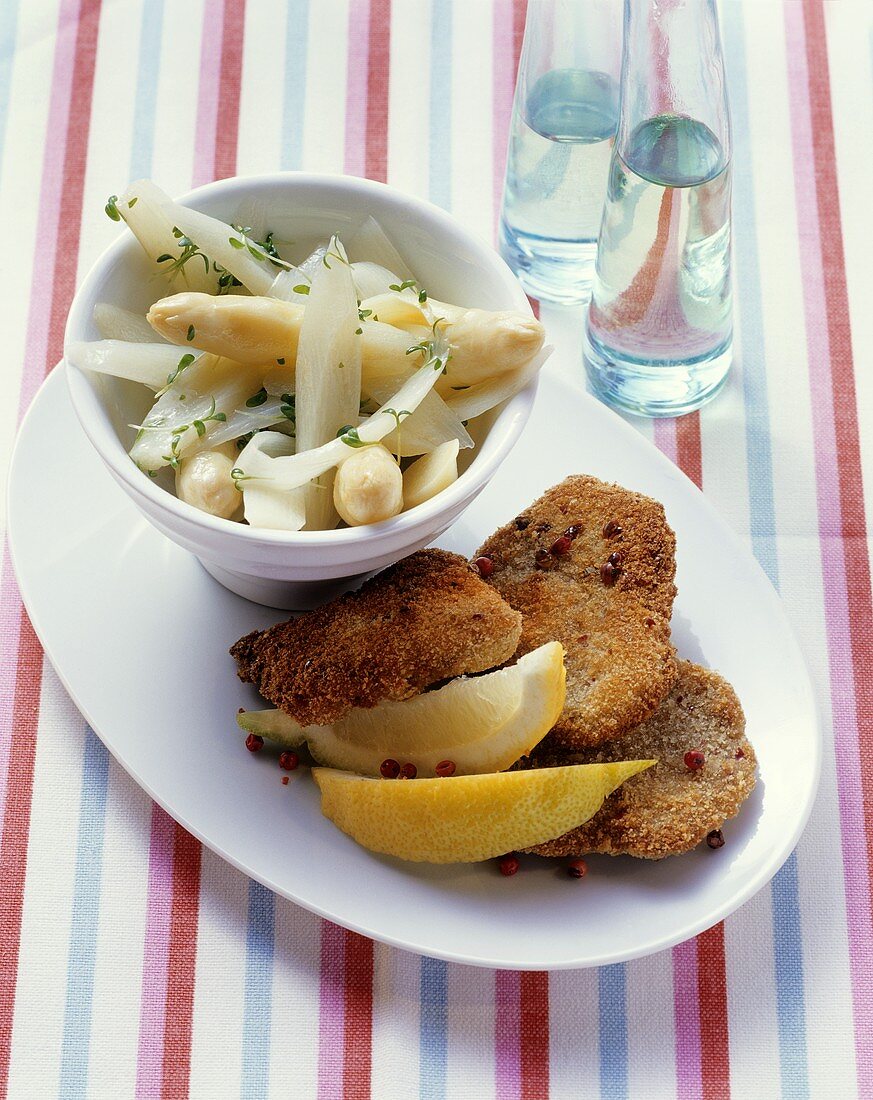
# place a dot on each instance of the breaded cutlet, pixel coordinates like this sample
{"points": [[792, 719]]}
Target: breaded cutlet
{"points": [[604, 590], [427, 618], [668, 809]]}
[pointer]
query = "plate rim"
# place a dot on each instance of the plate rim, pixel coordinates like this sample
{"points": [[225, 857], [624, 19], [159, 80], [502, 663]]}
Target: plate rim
{"points": [[751, 886]]}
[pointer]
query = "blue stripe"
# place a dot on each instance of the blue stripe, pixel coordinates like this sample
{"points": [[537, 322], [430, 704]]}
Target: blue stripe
{"points": [[296, 54], [148, 72], [612, 999], [258, 1001], [440, 161], [790, 1005], [745, 245], [787, 938], [433, 1029], [8, 31], [76, 1040]]}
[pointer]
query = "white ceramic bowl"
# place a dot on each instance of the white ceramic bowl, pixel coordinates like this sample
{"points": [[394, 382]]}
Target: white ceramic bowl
{"points": [[298, 569]]}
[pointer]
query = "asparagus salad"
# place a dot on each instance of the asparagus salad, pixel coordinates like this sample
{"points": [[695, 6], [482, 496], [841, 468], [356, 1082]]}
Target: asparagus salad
{"points": [[300, 396]]}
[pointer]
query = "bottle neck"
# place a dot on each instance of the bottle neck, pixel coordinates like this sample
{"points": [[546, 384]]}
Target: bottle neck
{"points": [[673, 76]]}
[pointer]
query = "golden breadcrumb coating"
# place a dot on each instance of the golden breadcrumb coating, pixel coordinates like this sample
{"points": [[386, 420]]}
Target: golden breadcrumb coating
{"points": [[607, 599], [427, 618], [668, 809]]}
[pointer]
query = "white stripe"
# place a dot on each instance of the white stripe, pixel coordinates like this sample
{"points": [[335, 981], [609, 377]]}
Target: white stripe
{"points": [[396, 1023], [40, 996], [176, 105], [651, 1033], [470, 1056], [324, 124], [262, 89], [219, 982], [20, 181], [118, 961], [408, 97], [751, 999], [472, 117], [723, 445], [112, 108], [826, 968], [296, 979], [574, 1033]]}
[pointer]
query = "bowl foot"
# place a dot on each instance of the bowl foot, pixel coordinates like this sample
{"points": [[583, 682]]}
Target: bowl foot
{"points": [[286, 595]]}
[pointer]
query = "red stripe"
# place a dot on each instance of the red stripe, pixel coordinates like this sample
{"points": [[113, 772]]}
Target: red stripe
{"points": [[376, 157], [848, 446], [534, 1041], [358, 1031], [28, 682], [715, 1070], [16, 827], [181, 961], [519, 14], [230, 79], [711, 973], [72, 193]]}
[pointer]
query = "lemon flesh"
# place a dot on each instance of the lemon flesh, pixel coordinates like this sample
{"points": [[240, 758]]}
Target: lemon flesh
{"points": [[482, 724], [468, 818]]}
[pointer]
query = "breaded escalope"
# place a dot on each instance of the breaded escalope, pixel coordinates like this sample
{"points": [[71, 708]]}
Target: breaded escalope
{"points": [[425, 619], [669, 809], [591, 565]]}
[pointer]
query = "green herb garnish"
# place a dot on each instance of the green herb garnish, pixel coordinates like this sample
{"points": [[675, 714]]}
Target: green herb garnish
{"points": [[257, 399]]}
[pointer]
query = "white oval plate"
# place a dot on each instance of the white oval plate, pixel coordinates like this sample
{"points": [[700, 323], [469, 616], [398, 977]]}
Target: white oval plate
{"points": [[139, 633]]}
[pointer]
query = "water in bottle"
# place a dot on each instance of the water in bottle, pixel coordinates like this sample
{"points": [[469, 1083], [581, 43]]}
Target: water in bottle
{"points": [[557, 168]]}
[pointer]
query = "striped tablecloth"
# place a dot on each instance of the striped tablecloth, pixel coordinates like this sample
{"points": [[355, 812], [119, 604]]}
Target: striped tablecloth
{"points": [[136, 964]]}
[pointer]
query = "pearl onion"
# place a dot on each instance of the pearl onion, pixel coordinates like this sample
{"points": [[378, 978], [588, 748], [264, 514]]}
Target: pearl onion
{"points": [[204, 481], [368, 487]]}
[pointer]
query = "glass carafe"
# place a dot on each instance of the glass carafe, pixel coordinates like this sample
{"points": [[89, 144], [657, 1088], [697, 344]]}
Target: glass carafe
{"points": [[564, 117], [659, 327]]}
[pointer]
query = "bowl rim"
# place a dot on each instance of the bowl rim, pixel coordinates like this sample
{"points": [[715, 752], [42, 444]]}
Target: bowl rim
{"points": [[92, 415]]}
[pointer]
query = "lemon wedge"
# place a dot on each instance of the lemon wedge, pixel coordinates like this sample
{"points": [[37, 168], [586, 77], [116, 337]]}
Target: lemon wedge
{"points": [[468, 818], [481, 723]]}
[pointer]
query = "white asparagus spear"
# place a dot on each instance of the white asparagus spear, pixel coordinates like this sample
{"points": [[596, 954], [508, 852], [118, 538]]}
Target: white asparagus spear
{"points": [[430, 474], [265, 505], [371, 243], [255, 330], [148, 212], [152, 364], [116, 323], [328, 375]]}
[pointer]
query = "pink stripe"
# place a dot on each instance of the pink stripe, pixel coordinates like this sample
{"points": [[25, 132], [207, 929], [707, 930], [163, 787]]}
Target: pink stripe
{"points": [[41, 297], [503, 42], [153, 1002], [331, 1012], [686, 1001], [357, 64], [665, 438], [507, 1035], [846, 741], [208, 92]]}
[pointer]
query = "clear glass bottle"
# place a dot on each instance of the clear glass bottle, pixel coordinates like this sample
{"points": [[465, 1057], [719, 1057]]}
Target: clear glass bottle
{"points": [[564, 119], [659, 327]]}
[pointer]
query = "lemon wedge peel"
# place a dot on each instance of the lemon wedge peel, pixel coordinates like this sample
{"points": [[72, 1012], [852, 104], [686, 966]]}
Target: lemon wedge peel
{"points": [[465, 819], [482, 724]]}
